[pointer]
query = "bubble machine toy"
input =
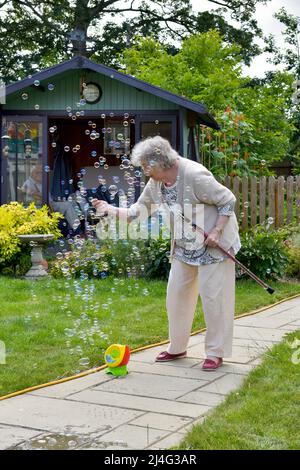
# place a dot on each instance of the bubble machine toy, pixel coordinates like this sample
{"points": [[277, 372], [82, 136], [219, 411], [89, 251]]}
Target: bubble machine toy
{"points": [[116, 358]]}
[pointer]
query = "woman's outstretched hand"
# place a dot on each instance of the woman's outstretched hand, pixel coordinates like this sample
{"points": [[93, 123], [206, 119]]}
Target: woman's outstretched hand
{"points": [[102, 207]]}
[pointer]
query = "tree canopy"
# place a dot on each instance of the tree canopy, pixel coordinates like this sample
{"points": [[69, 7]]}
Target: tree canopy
{"points": [[253, 116], [36, 33]]}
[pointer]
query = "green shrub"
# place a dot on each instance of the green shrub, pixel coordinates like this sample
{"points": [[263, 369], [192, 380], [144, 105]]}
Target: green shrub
{"points": [[15, 219], [293, 267], [90, 258], [264, 251], [293, 244]]}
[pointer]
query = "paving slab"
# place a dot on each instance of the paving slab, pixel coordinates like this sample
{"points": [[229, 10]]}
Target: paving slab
{"points": [[133, 437], [153, 387], [67, 388], [224, 385], [50, 414], [134, 402], [202, 398], [162, 421], [163, 369], [14, 435], [268, 334]]}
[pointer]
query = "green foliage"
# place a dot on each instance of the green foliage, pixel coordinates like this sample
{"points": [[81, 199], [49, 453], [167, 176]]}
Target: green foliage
{"points": [[46, 26], [293, 244], [84, 260], [122, 258], [264, 251], [208, 70], [15, 219], [293, 267]]}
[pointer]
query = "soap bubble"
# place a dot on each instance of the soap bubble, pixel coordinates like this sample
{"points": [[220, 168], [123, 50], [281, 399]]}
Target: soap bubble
{"points": [[103, 116], [36, 83], [47, 168], [87, 132], [103, 130], [111, 115], [37, 107], [68, 109], [54, 144], [84, 361], [93, 153], [126, 163], [157, 121], [51, 129], [96, 164], [120, 136], [116, 179], [51, 86], [125, 123], [270, 220], [109, 130], [24, 96]]}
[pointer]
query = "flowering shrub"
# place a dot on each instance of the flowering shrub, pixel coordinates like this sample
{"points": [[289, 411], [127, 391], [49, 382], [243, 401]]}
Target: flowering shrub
{"points": [[233, 150], [15, 219]]}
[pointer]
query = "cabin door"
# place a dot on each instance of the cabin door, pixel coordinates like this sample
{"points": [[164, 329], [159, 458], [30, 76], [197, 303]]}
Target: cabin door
{"points": [[23, 158]]}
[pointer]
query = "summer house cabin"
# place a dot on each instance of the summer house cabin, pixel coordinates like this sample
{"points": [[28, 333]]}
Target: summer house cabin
{"points": [[76, 122]]}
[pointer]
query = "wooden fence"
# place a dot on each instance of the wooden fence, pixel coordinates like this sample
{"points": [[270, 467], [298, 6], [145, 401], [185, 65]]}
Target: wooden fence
{"points": [[270, 200]]}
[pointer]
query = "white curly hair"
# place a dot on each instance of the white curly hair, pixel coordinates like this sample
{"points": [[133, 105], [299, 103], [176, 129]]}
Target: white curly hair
{"points": [[154, 151]]}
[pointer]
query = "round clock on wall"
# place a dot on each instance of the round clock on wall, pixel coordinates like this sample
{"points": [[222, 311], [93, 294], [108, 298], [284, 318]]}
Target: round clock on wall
{"points": [[92, 92]]}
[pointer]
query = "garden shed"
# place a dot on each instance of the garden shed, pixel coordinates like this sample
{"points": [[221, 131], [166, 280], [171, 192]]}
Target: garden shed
{"points": [[78, 119]]}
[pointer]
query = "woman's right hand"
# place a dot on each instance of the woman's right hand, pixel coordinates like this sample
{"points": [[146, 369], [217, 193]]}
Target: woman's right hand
{"points": [[102, 207]]}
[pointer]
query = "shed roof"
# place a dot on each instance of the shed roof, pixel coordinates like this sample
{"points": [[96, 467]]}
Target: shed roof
{"points": [[80, 62]]}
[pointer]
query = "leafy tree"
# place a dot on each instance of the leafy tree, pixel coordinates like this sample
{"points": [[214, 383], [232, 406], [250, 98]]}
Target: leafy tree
{"points": [[253, 115], [39, 33], [290, 57]]}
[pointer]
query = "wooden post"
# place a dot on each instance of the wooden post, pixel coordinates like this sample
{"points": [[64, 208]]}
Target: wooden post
{"points": [[262, 200], [289, 198], [280, 184], [271, 198], [253, 196], [236, 192], [245, 203]]}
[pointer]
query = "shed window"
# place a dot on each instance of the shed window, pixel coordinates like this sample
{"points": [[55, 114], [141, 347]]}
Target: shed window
{"points": [[116, 138]]}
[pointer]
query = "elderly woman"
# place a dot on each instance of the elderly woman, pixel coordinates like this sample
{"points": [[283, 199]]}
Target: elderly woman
{"points": [[198, 267]]}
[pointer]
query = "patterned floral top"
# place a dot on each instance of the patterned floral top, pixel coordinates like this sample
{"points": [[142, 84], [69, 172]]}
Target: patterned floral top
{"points": [[188, 249]]}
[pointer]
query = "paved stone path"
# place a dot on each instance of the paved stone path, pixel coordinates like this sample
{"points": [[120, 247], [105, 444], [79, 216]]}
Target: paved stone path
{"points": [[152, 407]]}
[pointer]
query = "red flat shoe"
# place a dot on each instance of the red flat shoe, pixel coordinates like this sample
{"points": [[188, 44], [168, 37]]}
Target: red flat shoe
{"points": [[209, 365], [165, 356]]}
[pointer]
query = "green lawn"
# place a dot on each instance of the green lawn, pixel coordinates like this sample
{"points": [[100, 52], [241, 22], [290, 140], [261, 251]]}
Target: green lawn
{"points": [[51, 326], [263, 414]]}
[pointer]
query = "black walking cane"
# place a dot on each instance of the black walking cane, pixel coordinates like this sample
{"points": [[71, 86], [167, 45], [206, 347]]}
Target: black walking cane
{"points": [[236, 261]]}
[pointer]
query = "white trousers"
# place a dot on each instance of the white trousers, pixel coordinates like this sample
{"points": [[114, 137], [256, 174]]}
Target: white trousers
{"points": [[216, 285]]}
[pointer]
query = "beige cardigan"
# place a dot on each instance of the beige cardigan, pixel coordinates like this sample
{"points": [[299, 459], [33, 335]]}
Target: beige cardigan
{"points": [[197, 186]]}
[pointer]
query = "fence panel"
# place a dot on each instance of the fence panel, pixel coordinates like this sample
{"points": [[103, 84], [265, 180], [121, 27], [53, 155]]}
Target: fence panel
{"points": [[271, 200]]}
